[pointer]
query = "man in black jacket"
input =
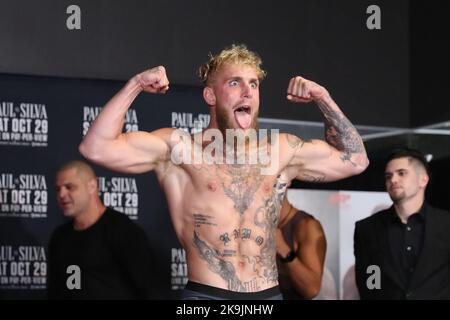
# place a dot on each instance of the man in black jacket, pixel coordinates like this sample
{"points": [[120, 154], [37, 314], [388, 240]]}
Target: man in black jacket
{"points": [[404, 252]]}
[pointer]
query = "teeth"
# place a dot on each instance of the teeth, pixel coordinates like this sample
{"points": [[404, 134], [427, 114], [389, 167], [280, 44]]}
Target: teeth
{"points": [[243, 109]]}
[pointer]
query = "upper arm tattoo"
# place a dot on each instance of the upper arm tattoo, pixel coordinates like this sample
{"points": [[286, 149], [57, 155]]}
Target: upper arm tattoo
{"points": [[311, 178]]}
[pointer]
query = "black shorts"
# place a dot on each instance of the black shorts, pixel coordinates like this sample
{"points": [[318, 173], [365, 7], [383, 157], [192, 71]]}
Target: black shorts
{"points": [[198, 291]]}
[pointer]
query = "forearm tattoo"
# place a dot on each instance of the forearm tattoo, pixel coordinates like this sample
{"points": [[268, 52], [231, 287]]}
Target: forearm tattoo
{"points": [[340, 133]]}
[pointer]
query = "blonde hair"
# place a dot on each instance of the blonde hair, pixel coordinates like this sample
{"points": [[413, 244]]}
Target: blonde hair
{"points": [[236, 54]]}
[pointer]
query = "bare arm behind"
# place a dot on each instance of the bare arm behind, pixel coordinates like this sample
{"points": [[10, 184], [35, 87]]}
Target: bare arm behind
{"points": [[133, 152], [341, 155], [305, 271]]}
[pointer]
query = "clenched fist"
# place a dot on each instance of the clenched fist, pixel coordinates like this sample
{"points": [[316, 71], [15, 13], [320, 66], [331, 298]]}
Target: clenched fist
{"points": [[303, 90], [154, 80]]}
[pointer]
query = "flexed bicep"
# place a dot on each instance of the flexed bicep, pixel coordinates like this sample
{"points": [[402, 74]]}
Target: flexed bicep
{"points": [[136, 152], [316, 161]]}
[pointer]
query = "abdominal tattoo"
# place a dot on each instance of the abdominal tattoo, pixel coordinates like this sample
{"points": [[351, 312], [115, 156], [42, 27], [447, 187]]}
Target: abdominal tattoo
{"points": [[203, 219], [223, 268], [266, 218]]}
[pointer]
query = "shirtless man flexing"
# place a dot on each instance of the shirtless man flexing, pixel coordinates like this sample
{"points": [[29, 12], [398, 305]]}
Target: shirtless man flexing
{"points": [[225, 213]]}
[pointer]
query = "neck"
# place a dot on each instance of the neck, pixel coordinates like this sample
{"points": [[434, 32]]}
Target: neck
{"points": [[405, 209], [89, 216]]}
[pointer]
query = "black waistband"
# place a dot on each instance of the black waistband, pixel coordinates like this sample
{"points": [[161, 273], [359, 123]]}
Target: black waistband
{"points": [[232, 295]]}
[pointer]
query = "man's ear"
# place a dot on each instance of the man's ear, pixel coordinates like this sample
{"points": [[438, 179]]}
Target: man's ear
{"points": [[92, 185], [424, 179], [209, 96]]}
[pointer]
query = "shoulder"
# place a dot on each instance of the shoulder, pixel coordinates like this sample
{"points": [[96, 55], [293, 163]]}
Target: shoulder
{"points": [[59, 235], [290, 140], [61, 230], [288, 145], [309, 227], [374, 218], [174, 135], [442, 215], [166, 131], [442, 212], [114, 216], [121, 222], [308, 221], [168, 135]]}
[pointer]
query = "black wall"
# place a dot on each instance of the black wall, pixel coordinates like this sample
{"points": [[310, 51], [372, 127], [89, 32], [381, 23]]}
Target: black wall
{"points": [[429, 62], [324, 40]]}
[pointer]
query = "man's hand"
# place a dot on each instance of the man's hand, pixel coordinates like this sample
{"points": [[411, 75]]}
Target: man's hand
{"points": [[301, 90], [154, 80]]}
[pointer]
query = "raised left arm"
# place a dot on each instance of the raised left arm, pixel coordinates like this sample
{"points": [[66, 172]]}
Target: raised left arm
{"points": [[341, 155]]}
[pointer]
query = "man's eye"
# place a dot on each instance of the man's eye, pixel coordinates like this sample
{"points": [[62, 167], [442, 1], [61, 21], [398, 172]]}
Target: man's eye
{"points": [[233, 83], [254, 85]]}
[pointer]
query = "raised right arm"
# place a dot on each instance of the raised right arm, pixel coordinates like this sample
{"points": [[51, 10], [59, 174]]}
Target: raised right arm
{"points": [[133, 152]]}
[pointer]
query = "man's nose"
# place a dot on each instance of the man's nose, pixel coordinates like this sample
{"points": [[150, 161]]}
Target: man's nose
{"points": [[246, 90], [394, 179], [61, 193]]}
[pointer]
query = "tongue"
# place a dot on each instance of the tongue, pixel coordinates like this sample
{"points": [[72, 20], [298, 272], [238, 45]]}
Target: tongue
{"points": [[243, 119]]}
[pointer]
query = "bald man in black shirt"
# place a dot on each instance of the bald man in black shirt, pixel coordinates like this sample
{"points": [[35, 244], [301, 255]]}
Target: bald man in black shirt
{"points": [[100, 253]]}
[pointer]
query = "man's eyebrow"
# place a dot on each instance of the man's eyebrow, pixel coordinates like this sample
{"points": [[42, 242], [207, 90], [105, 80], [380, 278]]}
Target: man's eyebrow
{"points": [[397, 170]]}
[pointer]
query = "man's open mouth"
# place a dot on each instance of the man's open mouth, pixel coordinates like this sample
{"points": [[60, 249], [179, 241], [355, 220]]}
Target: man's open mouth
{"points": [[243, 116], [246, 109]]}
